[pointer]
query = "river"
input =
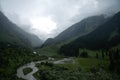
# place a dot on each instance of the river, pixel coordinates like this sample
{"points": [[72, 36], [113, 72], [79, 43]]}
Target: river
{"points": [[31, 65]]}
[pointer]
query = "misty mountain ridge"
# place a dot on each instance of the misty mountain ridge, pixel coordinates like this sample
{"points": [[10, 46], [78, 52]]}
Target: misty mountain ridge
{"points": [[105, 36], [11, 33], [79, 29]]}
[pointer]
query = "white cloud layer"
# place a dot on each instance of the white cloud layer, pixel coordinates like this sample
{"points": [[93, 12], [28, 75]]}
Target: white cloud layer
{"points": [[47, 18]]}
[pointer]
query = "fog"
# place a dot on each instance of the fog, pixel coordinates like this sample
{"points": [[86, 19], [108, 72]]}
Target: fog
{"points": [[47, 18]]}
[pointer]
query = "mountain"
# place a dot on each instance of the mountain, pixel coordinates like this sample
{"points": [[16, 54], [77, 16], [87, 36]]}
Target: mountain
{"points": [[79, 29], [12, 34], [103, 37]]}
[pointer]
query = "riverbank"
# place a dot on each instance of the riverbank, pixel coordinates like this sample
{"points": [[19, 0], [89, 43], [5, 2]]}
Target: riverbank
{"points": [[31, 65]]}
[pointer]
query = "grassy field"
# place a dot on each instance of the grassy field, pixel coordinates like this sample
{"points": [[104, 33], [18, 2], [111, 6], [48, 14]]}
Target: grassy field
{"points": [[90, 68], [82, 70], [52, 50], [84, 63], [87, 63]]}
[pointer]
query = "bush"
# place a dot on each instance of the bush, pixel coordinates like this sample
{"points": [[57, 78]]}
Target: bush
{"points": [[27, 70], [84, 54]]}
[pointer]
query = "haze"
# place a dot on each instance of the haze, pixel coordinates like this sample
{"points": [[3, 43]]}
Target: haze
{"points": [[47, 18]]}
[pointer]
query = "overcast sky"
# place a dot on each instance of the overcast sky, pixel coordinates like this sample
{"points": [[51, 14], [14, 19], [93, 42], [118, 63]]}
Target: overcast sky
{"points": [[47, 18]]}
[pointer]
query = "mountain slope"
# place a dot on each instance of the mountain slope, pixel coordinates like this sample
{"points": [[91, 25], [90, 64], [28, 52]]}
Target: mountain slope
{"points": [[11, 33], [105, 36], [79, 29]]}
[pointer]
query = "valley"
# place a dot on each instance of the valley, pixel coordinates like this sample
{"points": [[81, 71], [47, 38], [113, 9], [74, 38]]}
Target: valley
{"points": [[78, 67], [88, 50]]}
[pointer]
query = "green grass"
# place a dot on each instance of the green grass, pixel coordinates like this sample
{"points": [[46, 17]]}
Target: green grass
{"points": [[74, 71], [85, 64], [70, 66], [5, 38], [52, 50], [27, 70], [92, 53], [48, 51], [115, 47], [88, 63]]}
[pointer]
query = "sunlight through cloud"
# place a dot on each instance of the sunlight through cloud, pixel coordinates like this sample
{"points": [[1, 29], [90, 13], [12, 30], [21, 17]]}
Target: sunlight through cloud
{"points": [[44, 24]]}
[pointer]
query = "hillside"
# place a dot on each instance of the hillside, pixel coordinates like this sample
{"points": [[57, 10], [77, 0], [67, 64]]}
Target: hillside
{"points": [[104, 37], [79, 29], [12, 34]]}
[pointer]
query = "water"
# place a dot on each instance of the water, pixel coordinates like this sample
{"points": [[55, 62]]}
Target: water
{"points": [[31, 65]]}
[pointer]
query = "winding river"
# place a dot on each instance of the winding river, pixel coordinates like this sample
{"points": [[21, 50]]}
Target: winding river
{"points": [[31, 65]]}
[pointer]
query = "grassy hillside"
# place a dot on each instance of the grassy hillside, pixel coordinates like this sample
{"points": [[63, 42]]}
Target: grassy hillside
{"points": [[79, 29], [11, 33], [104, 37]]}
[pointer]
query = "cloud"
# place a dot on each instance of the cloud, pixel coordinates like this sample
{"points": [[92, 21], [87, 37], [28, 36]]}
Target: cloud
{"points": [[0, 6], [62, 13]]}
